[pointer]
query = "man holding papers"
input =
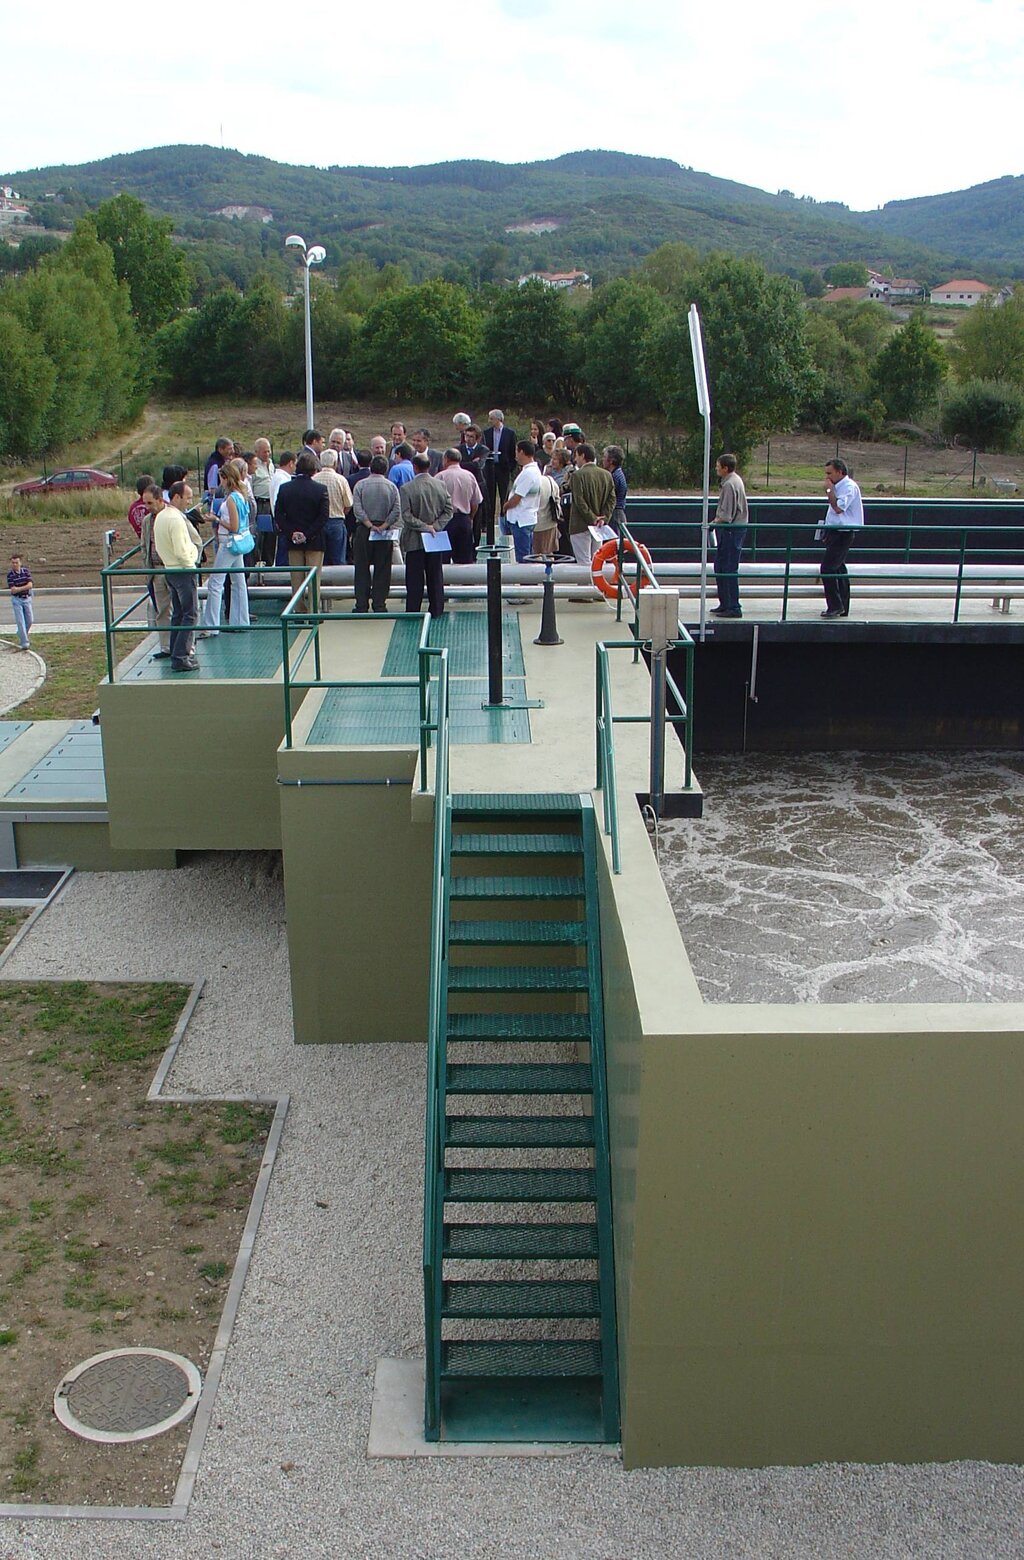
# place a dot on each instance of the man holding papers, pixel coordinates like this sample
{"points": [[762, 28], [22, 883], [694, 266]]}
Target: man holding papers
{"points": [[378, 515], [426, 510]]}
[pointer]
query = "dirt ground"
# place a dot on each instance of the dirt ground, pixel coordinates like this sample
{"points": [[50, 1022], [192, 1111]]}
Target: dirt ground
{"points": [[69, 552], [119, 1225]]}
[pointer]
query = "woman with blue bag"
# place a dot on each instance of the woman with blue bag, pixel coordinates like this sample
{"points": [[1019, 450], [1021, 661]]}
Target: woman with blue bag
{"points": [[234, 541]]}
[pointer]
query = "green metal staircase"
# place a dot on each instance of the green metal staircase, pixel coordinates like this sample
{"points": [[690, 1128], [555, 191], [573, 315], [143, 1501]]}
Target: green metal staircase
{"points": [[518, 1263]]}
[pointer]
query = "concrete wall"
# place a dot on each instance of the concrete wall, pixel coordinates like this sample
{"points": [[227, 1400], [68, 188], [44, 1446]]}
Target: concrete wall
{"points": [[816, 1214], [85, 846], [192, 765], [357, 876]]}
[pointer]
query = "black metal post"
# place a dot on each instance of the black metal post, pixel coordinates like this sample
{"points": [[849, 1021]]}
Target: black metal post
{"points": [[974, 467], [548, 627], [906, 449], [494, 687]]}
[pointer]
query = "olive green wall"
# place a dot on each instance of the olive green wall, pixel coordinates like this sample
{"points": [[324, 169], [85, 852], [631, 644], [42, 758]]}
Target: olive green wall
{"points": [[357, 878], [193, 765], [816, 1214], [82, 845]]}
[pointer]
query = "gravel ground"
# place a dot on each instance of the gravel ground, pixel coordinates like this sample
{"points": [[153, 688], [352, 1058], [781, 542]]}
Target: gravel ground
{"points": [[333, 1289], [21, 672]]}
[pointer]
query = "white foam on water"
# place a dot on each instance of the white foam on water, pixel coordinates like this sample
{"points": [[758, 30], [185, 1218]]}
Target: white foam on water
{"points": [[853, 878]]}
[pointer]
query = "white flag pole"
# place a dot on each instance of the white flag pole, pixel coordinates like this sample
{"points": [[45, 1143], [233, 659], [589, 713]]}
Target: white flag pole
{"points": [[700, 379]]}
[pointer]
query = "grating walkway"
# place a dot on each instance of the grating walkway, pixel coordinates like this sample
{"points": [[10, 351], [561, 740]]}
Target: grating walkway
{"points": [[383, 716], [464, 634], [10, 730], [72, 771], [233, 654]]}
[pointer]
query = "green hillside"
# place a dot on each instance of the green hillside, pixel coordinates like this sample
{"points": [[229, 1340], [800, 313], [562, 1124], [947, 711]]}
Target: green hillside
{"points": [[609, 209], [979, 227]]}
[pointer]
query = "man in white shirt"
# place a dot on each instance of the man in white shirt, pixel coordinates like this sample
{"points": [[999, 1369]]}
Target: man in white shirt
{"points": [[283, 472], [843, 518], [261, 480], [519, 514]]}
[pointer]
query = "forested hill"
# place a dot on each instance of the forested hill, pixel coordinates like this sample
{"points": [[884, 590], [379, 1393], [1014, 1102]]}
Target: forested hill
{"points": [[982, 226], [602, 212]]}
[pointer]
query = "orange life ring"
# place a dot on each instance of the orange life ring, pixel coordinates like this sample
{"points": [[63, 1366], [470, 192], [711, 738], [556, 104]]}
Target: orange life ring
{"points": [[609, 585]]}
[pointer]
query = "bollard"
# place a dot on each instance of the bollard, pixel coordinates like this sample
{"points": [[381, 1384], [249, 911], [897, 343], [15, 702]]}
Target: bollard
{"points": [[548, 627]]}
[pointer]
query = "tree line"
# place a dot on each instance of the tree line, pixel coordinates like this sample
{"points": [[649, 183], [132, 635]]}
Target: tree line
{"points": [[89, 329]]}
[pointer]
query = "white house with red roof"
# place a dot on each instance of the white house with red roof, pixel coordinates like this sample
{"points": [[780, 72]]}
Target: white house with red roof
{"points": [[961, 293]]}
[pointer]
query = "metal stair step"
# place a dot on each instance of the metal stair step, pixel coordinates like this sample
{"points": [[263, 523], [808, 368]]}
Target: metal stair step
{"points": [[539, 1242], [519, 1132], [561, 1298], [519, 1185], [518, 1026], [519, 1078], [516, 888], [516, 844], [521, 1357], [496, 803], [516, 977], [510, 934]]}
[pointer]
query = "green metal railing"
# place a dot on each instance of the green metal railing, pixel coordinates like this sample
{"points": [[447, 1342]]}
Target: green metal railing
{"points": [[965, 564], [605, 718], [437, 1050], [120, 570]]}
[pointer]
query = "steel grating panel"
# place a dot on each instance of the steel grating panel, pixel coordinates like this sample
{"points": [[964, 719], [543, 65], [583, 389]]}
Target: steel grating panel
{"points": [[255, 653], [521, 1357], [479, 1242], [10, 730], [71, 771], [512, 1298], [384, 716], [464, 634], [519, 1131]]}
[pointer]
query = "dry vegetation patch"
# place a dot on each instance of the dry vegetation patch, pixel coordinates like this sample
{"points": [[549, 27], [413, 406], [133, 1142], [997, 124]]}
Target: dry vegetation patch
{"points": [[119, 1224]]}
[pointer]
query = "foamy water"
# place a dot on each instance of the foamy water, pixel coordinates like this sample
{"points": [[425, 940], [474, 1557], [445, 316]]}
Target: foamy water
{"points": [[853, 878]]}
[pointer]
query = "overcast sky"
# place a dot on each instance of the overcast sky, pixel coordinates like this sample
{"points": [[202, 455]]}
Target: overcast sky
{"points": [[863, 103]]}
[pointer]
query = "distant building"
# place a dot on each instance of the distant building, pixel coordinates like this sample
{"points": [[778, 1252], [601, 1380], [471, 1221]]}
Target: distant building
{"points": [[245, 213], [560, 279], [534, 225], [905, 287], [965, 294], [11, 209]]}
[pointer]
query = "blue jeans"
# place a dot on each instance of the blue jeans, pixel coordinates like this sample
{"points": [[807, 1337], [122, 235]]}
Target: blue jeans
{"points": [[522, 538], [335, 542], [729, 540], [22, 606]]}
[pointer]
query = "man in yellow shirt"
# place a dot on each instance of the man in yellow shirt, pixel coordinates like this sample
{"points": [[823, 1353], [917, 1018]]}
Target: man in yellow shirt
{"points": [[177, 543]]}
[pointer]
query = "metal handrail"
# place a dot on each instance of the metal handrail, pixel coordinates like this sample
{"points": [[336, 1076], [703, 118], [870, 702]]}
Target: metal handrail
{"points": [[437, 1024]]}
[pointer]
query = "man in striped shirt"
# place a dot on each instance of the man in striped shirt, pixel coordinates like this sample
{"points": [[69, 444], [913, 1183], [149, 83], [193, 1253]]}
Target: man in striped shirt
{"points": [[19, 583]]}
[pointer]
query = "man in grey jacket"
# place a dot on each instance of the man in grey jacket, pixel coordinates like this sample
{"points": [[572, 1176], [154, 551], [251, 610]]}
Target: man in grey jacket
{"points": [[426, 510], [730, 534], [378, 515]]}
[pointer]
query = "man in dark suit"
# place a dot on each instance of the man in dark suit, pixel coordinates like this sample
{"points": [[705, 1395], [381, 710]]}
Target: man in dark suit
{"points": [[473, 458], [420, 442], [500, 443]]}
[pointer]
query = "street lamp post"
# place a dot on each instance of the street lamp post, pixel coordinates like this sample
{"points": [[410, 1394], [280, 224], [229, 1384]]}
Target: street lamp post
{"points": [[314, 256]]}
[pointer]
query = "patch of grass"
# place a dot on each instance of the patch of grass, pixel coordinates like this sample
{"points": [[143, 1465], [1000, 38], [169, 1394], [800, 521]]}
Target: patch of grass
{"points": [[242, 1124], [97, 1031], [213, 1270], [75, 666], [10, 921], [180, 1152], [25, 1477], [8, 1336], [191, 1251]]}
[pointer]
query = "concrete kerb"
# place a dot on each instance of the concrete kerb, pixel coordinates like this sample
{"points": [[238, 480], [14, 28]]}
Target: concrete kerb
{"points": [[31, 920], [15, 689], [178, 1508]]}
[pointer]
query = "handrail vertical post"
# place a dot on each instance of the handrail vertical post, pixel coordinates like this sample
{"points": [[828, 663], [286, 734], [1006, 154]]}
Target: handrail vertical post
{"points": [[108, 607], [315, 597], [786, 576], [688, 739], [960, 576]]}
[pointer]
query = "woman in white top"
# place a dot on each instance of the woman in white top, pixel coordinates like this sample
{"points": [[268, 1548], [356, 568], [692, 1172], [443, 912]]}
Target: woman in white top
{"points": [[234, 516]]}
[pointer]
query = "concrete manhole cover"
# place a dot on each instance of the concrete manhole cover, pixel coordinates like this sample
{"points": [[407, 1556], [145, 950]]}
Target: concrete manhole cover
{"points": [[127, 1394]]}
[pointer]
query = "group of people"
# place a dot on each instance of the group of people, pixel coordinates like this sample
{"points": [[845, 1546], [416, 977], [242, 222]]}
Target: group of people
{"points": [[842, 520], [330, 503]]}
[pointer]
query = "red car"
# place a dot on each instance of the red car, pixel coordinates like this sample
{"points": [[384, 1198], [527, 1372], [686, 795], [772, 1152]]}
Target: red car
{"points": [[80, 480]]}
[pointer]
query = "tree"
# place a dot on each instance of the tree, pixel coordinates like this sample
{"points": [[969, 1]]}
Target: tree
{"points": [[756, 350], [909, 370], [418, 342], [156, 272], [616, 325], [530, 346], [26, 385], [989, 341], [984, 415], [668, 269], [847, 273]]}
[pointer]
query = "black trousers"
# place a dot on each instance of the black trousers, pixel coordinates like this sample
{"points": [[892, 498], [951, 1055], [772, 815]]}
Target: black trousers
{"points": [[373, 570], [424, 568], [834, 577], [496, 485], [460, 530], [266, 544]]}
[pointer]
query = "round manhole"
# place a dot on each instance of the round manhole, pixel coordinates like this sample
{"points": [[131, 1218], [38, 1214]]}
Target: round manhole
{"points": [[127, 1394]]}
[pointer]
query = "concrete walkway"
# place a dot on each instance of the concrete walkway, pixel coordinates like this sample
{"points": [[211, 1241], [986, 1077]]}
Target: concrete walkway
{"points": [[335, 1285]]}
